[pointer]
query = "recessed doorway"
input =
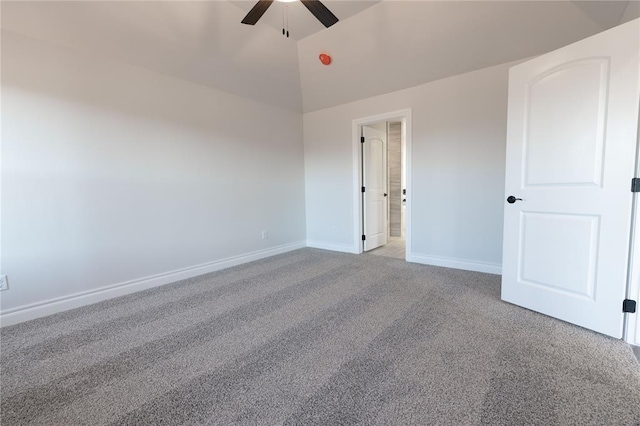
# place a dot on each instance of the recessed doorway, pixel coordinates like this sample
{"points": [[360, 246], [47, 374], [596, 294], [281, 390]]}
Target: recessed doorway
{"points": [[382, 164]]}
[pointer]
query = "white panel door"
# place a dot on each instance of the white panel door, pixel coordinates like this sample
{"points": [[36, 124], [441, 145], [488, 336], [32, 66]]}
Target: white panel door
{"points": [[374, 178], [571, 149]]}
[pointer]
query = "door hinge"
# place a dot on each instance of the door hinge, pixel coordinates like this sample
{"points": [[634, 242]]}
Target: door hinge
{"points": [[361, 139], [629, 306], [363, 189], [635, 185], [364, 238]]}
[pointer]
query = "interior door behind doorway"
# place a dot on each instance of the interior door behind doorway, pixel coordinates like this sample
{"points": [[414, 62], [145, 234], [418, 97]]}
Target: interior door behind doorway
{"points": [[374, 178]]}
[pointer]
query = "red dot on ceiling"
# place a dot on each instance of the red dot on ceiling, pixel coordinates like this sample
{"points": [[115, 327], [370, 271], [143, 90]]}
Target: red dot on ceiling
{"points": [[325, 59]]}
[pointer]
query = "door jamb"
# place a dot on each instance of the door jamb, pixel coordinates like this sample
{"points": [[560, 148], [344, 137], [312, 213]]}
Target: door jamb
{"points": [[631, 321], [404, 116]]}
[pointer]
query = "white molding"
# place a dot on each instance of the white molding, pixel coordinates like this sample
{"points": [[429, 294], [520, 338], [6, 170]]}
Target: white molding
{"points": [[448, 262], [403, 115], [332, 247], [60, 304], [1, 160], [631, 325]]}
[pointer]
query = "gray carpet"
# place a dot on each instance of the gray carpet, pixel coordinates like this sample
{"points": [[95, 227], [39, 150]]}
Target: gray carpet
{"points": [[315, 338]]}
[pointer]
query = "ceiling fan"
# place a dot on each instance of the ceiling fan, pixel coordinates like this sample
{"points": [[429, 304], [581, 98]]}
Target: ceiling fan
{"points": [[318, 10]]}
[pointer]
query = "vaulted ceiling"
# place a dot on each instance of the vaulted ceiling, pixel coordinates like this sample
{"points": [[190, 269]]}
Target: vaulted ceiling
{"points": [[200, 41], [400, 44], [377, 47], [301, 22]]}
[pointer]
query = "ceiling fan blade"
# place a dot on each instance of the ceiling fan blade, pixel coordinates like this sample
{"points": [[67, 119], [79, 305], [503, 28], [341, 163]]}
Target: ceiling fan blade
{"points": [[321, 12], [256, 12]]}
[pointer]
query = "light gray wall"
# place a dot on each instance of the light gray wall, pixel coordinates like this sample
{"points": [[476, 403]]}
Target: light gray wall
{"points": [[459, 131], [111, 173]]}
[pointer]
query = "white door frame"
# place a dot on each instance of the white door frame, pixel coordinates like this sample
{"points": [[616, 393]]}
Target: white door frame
{"points": [[631, 325], [404, 116]]}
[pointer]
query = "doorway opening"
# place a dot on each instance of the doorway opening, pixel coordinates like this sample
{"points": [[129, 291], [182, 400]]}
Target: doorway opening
{"points": [[382, 164]]}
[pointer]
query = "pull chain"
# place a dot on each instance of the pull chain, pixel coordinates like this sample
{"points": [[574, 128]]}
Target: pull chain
{"points": [[285, 20]]}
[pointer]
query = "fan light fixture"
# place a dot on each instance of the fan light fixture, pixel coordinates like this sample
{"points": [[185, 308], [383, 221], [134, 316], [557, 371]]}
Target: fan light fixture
{"points": [[316, 8]]}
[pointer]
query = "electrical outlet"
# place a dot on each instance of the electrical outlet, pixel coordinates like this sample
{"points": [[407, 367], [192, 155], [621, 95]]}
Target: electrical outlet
{"points": [[4, 284], [265, 235]]}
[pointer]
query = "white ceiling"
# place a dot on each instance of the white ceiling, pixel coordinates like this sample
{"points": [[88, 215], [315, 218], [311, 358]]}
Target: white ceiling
{"points": [[399, 44], [377, 47], [606, 13], [301, 22], [199, 41]]}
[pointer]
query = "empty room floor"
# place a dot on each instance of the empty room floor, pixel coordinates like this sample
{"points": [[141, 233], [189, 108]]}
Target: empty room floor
{"points": [[315, 337]]}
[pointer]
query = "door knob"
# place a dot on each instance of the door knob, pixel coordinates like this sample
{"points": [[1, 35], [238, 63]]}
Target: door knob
{"points": [[385, 194], [511, 199]]}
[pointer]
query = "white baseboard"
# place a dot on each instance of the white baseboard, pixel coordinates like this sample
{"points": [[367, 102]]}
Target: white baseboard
{"points": [[328, 246], [60, 304], [467, 265]]}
